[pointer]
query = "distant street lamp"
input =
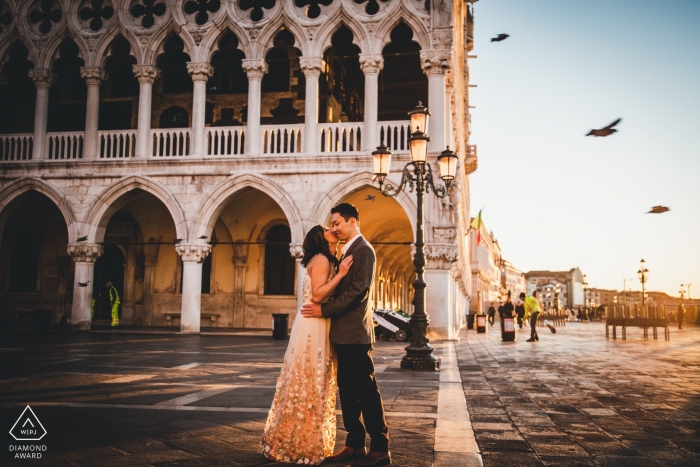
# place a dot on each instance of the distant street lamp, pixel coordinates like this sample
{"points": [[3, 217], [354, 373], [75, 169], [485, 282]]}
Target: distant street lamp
{"points": [[557, 291], [681, 293], [643, 275], [419, 354], [585, 298]]}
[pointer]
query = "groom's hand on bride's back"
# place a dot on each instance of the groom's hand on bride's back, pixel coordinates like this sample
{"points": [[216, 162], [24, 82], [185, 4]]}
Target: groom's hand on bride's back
{"points": [[311, 310]]}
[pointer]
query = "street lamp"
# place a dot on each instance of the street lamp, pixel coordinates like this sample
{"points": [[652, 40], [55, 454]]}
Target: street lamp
{"points": [[417, 174], [585, 290], [557, 291], [643, 275], [682, 293]]}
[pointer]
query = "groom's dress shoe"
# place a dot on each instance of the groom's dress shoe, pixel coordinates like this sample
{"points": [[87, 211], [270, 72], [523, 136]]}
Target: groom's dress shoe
{"points": [[347, 455], [373, 459]]}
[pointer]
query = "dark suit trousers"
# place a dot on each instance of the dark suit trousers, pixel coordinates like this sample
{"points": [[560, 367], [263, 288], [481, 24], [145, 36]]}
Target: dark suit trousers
{"points": [[359, 395]]}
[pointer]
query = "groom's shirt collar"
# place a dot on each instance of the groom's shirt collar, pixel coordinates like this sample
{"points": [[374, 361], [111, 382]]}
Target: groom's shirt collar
{"points": [[346, 247]]}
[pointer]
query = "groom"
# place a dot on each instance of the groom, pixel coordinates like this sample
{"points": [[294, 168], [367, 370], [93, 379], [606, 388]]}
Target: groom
{"points": [[352, 334]]}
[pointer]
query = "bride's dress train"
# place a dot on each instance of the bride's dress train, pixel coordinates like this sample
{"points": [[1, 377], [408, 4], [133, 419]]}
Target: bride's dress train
{"points": [[300, 426]]}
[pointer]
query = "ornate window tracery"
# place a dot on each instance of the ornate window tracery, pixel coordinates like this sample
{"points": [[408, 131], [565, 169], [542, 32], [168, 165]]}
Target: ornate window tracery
{"points": [[149, 9], [201, 9], [313, 7], [5, 17], [256, 7], [372, 7], [96, 12], [45, 15]]}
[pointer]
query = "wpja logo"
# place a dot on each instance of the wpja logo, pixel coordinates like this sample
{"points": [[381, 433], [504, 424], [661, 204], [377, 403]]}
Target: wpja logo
{"points": [[28, 428]]}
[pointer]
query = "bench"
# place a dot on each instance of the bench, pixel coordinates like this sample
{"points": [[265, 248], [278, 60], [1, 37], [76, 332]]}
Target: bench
{"points": [[644, 323], [212, 316]]}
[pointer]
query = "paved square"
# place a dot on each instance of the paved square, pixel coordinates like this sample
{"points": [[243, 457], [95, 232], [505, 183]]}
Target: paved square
{"points": [[571, 399]]}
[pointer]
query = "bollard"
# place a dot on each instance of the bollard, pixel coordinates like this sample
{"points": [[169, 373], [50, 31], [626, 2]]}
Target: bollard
{"points": [[508, 330], [481, 327]]}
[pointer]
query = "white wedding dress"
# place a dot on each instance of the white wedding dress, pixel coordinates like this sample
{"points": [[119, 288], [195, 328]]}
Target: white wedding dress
{"points": [[300, 426]]}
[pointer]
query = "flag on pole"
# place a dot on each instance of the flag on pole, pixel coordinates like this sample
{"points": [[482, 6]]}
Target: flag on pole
{"points": [[476, 224]]}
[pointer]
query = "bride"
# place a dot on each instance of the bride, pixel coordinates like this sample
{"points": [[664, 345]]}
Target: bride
{"points": [[300, 426]]}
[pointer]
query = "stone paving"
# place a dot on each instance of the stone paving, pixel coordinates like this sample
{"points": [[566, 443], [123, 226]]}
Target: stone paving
{"points": [[571, 399]]}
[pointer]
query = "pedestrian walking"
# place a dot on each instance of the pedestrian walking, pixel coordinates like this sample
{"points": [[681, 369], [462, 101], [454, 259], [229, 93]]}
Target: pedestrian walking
{"points": [[681, 315], [533, 309], [507, 310], [491, 314], [114, 303], [520, 312]]}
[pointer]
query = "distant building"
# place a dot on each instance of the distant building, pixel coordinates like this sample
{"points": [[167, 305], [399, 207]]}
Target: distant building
{"points": [[570, 283], [512, 279], [486, 270]]}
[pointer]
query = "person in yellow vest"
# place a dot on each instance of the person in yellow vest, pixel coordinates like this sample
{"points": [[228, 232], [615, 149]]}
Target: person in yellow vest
{"points": [[532, 310], [114, 302]]}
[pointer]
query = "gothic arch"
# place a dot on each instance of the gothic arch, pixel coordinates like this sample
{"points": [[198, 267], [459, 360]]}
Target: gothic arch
{"points": [[210, 209], [54, 45], [102, 49], [96, 219], [210, 43], [323, 38], [157, 44], [7, 43], [267, 36], [353, 183], [420, 34], [16, 188]]}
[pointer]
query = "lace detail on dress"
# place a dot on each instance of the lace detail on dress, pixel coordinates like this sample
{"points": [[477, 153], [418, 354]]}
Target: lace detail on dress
{"points": [[301, 424]]}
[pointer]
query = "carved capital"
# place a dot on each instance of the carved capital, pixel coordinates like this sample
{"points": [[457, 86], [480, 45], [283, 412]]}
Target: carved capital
{"points": [[42, 78], [93, 76], [440, 256], [193, 253], [146, 74], [85, 252], [200, 71], [311, 66], [442, 39], [296, 251], [240, 253], [435, 61], [371, 64], [254, 68]]}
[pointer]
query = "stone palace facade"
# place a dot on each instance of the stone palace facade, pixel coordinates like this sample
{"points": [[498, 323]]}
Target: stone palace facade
{"points": [[182, 148]]}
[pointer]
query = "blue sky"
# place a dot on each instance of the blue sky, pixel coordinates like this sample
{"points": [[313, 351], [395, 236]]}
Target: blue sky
{"points": [[557, 199]]}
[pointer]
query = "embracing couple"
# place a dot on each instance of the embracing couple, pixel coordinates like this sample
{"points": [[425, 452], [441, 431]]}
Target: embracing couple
{"points": [[330, 348]]}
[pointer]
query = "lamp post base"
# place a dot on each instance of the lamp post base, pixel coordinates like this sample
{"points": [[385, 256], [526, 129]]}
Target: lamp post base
{"points": [[420, 359]]}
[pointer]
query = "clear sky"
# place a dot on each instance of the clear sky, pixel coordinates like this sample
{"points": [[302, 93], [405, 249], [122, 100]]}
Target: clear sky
{"points": [[557, 199]]}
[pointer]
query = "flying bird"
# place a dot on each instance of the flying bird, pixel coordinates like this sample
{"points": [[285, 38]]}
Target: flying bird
{"points": [[370, 198], [176, 241], [203, 237], [500, 37], [83, 284], [659, 210], [606, 131], [83, 239]]}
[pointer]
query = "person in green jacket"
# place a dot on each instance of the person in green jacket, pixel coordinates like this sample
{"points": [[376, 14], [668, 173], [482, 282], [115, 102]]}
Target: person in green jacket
{"points": [[532, 310], [114, 303]]}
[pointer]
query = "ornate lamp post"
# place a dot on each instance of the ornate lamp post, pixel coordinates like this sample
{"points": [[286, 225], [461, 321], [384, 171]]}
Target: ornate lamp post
{"points": [[557, 291], [643, 275], [682, 293], [585, 298], [417, 174]]}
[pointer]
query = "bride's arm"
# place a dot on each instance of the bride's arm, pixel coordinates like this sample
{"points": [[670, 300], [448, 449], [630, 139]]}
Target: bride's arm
{"points": [[318, 269]]}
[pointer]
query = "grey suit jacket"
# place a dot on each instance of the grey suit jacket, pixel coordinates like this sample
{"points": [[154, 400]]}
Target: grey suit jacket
{"points": [[349, 311]]}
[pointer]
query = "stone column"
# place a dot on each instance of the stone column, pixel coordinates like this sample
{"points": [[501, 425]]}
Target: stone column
{"points": [[297, 253], [255, 69], [84, 255], [146, 74], [93, 77], [371, 65], [438, 296], [240, 264], [43, 79], [192, 258], [435, 64], [312, 67], [151, 259], [200, 72]]}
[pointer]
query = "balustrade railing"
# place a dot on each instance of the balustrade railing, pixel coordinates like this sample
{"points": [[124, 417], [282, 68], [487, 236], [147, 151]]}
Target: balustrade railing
{"points": [[67, 145], [281, 139], [116, 144], [395, 134], [16, 147], [340, 137], [171, 142], [226, 141]]}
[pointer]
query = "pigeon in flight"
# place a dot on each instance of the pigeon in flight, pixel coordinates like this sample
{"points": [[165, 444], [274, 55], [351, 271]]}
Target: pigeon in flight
{"points": [[370, 198], [176, 241], [500, 37], [83, 284], [82, 239], [607, 131], [203, 237], [658, 210]]}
